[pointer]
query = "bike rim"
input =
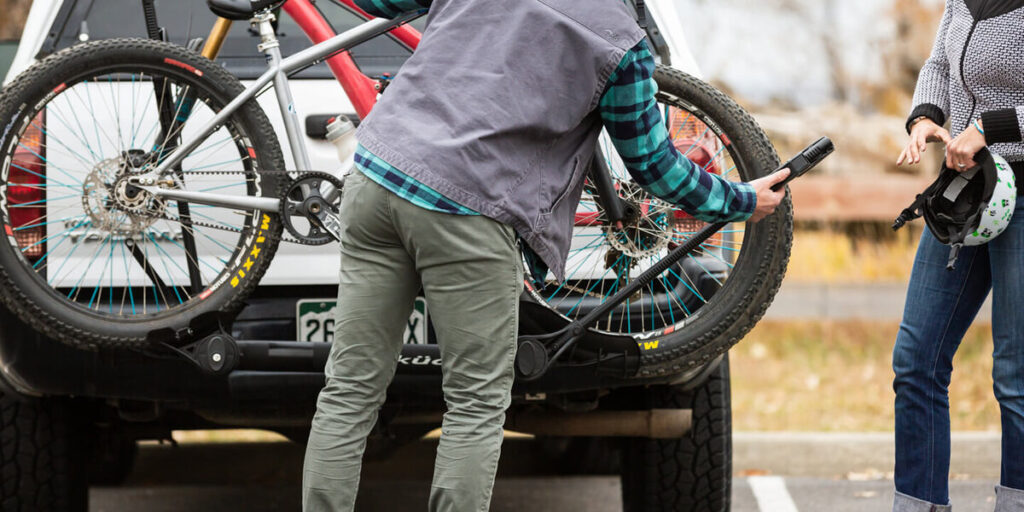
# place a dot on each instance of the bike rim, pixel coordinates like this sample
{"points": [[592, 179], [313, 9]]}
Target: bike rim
{"points": [[602, 260], [73, 220]]}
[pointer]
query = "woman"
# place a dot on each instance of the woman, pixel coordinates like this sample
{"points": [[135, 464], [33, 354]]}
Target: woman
{"points": [[974, 78]]}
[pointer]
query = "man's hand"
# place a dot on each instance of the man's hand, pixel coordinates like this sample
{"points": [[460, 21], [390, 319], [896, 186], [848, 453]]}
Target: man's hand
{"points": [[767, 199], [960, 152], [923, 132]]}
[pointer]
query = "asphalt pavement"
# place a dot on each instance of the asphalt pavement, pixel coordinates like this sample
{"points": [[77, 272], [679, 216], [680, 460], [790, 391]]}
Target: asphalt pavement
{"points": [[820, 301], [784, 472]]}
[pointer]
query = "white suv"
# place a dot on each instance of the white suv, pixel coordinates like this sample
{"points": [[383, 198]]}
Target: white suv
{"points": [[122, 396]]}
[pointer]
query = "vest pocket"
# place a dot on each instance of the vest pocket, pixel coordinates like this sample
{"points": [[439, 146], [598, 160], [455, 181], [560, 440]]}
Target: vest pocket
{"points": [[577, 171]]}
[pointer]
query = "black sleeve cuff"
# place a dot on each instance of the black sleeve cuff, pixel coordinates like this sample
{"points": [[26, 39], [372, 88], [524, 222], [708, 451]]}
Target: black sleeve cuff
{"points": [[1001, 126], [928, 110]]}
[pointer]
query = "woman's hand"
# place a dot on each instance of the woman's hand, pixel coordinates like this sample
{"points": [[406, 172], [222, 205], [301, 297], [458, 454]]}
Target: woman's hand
{"points": [[923, 132], [960, 153]]}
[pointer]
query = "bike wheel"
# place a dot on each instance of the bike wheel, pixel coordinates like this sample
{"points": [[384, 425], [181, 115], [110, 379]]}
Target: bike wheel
{"points": [[94, 261], [700, 307]]}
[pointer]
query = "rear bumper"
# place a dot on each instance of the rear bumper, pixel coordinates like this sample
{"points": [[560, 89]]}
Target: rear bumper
{"points": [[274, 379], [269, 371]]}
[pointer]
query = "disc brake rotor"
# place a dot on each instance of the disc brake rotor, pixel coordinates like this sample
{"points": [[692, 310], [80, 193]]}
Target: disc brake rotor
{"points": [[113, 204]]}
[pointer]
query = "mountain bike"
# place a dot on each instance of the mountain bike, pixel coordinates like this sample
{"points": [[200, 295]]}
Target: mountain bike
{"points": [[143, 194]]}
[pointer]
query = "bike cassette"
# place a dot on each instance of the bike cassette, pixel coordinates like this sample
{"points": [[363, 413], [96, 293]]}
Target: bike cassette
{"points": [[309, 208]]}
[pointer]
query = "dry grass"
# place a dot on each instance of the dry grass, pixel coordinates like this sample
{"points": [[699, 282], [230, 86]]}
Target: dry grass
{"points": [[836, 376], [833, 257]]}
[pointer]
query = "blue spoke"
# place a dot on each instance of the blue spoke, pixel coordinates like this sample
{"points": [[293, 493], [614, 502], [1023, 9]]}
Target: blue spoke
{"points": [[217, 164], [173, 262], [572, 272], [212, 145], [50, 138], [688, 287], [589, 245], [596, 281], [720, 247], [64, 238], [712, 160], [128, 273], [39, 175], [44, 240], [219, 187], [706, 271], [214, 240], [41, 224], [86, 271], [81, 130], [672, 290], [715, 256], [682, 124], [47, 162], [671, 311]]}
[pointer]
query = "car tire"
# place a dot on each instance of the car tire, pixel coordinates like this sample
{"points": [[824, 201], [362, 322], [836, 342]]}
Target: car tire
{"points": [[41, 456], [692, 473]]}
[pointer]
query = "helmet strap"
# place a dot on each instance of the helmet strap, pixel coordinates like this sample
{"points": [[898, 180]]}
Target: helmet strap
{"points": [[910, 213], [954, 254], [956, 242]]}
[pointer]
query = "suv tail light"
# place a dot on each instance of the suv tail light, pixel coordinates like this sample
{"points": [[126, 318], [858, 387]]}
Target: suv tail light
{"points": [[695, 140], [26, 191]]}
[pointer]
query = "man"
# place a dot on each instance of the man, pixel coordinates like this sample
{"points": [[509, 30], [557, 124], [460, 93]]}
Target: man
{"points": [[479, 147]]}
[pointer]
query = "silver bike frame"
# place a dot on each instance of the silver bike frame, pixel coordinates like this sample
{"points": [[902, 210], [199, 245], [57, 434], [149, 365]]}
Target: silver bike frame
{"points": [[277, 72]]}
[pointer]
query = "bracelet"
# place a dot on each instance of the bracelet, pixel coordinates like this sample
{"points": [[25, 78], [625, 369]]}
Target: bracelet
{"points": [[978, 127]]}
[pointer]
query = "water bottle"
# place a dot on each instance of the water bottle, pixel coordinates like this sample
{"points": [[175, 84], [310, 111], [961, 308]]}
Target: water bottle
{"points": [[342, 133]]}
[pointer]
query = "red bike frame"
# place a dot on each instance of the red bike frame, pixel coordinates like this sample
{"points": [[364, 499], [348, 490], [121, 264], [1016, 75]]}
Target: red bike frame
{"points": [[360, 89]]}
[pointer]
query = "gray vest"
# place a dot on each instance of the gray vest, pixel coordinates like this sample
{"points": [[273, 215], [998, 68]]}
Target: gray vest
{"points": [[497, 109]]}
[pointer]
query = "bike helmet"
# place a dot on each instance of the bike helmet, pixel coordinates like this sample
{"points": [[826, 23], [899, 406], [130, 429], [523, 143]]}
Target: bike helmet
{"points": [[967, 208]]}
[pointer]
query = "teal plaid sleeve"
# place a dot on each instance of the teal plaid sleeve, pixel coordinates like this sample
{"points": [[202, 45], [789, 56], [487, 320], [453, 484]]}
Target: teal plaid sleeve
{"points": [[634, 122], [391, 8]]}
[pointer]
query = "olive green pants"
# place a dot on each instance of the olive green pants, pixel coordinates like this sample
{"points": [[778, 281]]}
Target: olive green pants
{"points": [[471, 274]]}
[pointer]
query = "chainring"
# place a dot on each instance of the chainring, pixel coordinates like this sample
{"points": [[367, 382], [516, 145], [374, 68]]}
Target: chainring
{"points": [[297, 203]]}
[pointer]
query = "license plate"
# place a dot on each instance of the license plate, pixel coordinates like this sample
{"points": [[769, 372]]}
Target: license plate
{"points": [[315, 321]]}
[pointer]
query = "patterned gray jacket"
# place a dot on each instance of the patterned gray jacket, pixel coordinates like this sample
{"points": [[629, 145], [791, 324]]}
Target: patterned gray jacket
{"points": [[976, 71]]}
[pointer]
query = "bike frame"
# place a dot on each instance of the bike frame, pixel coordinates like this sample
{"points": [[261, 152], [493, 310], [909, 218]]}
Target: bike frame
{"points": [[362, 90]]}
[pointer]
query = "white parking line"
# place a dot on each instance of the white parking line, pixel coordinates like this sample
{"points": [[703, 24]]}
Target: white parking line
{"points": [[771, 494]]}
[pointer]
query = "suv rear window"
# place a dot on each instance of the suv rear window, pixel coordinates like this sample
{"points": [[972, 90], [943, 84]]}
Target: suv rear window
{"points": [[188, 19]]}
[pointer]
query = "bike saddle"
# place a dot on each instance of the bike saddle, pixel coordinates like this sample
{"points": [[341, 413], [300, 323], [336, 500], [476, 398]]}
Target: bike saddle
{"points": [[241, 9]]}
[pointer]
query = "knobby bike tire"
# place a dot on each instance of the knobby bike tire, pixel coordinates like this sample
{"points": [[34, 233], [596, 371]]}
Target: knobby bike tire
{"points": [[28, 294], [738, 304]]}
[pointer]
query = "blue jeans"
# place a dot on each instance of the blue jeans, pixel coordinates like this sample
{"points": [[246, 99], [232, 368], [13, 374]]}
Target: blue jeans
{"points": [[940, 307]]}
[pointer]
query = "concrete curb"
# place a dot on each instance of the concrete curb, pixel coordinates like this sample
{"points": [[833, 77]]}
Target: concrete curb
{"points": [[854, 456]]}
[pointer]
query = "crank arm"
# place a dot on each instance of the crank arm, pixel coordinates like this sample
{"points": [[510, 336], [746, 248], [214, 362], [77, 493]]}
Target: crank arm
{"points": [[264, 204], [328, 221]]}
